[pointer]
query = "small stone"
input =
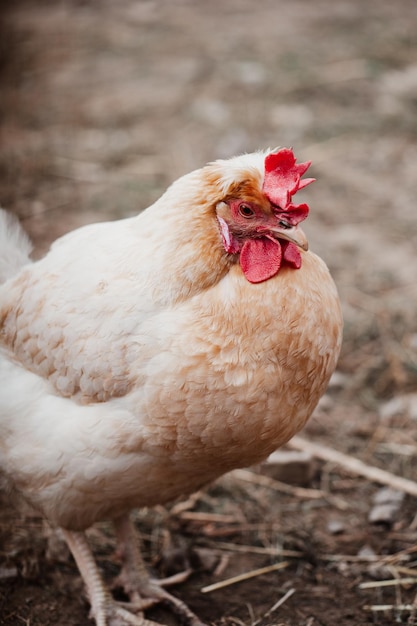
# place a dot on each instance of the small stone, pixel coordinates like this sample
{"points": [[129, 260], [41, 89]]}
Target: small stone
{"points": [[383, 514], [289, 466], [336, 527], [366, 551], [387, 504]]}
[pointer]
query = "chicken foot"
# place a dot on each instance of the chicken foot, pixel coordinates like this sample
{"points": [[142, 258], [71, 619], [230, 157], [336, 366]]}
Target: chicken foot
{"points": [[106, 611], [135, 579]]}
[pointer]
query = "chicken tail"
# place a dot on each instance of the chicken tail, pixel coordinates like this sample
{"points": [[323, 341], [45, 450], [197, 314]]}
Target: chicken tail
{"points": [[15, 246]]}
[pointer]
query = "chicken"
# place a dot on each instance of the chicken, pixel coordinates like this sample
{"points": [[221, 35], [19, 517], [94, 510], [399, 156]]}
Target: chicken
{"points": [[143, 358]]}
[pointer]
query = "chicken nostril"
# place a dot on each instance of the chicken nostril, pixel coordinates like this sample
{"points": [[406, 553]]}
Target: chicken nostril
{"points": [[284, 224]]}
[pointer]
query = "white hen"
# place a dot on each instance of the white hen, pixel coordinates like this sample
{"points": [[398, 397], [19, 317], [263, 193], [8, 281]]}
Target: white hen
{"points": [[143, 358]]}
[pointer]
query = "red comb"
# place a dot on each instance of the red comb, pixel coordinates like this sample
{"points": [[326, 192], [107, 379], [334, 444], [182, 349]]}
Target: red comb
{"points": [[283, 179]]}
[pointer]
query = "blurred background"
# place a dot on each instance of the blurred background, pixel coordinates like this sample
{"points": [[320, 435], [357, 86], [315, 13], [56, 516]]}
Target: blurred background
{"points": [[103, 104]]}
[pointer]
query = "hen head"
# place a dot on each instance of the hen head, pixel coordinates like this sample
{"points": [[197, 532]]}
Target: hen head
{"points": [[257, 218]]}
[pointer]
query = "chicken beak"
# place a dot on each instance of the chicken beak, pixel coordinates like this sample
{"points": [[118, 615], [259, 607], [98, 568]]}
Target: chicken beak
{"points": [[291, 233]]}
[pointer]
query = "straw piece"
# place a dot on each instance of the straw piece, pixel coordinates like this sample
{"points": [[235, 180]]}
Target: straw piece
{"points": [[245, 576]]}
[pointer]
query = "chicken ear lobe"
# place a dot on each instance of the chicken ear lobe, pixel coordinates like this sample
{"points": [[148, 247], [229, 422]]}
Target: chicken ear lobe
{"points": [[260, 259]]}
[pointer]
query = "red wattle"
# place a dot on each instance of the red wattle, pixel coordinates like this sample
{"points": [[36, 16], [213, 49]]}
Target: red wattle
{"points": [[291, 255], [260, 259]]}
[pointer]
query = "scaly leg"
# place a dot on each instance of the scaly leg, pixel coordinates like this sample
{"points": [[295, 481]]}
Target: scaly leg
{"points": [[136, 580], [104, 609]]}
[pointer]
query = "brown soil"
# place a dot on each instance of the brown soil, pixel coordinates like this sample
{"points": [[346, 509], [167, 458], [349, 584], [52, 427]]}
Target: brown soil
{"points": [[102, 105]]}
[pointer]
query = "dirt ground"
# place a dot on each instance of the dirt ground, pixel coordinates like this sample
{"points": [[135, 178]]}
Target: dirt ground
{"points": [[102, 105]]}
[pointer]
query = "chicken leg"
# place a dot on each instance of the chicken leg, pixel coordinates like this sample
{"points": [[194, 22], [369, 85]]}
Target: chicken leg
{"points": [[143, 591], [106, 611], [135, 579]]}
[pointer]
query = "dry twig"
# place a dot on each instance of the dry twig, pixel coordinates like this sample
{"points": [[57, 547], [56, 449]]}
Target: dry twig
{"points": [[336, 558], [258, 479], [355, 466], [237, 547], [276, 606], [298, 492], [387, 583], [245, 576]]}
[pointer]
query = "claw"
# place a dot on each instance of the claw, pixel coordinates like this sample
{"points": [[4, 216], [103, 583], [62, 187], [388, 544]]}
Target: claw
{"points": [[175, 579]]}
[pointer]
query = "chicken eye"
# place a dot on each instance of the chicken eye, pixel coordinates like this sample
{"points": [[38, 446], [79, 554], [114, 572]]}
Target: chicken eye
{"points": [[246, 211]]}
